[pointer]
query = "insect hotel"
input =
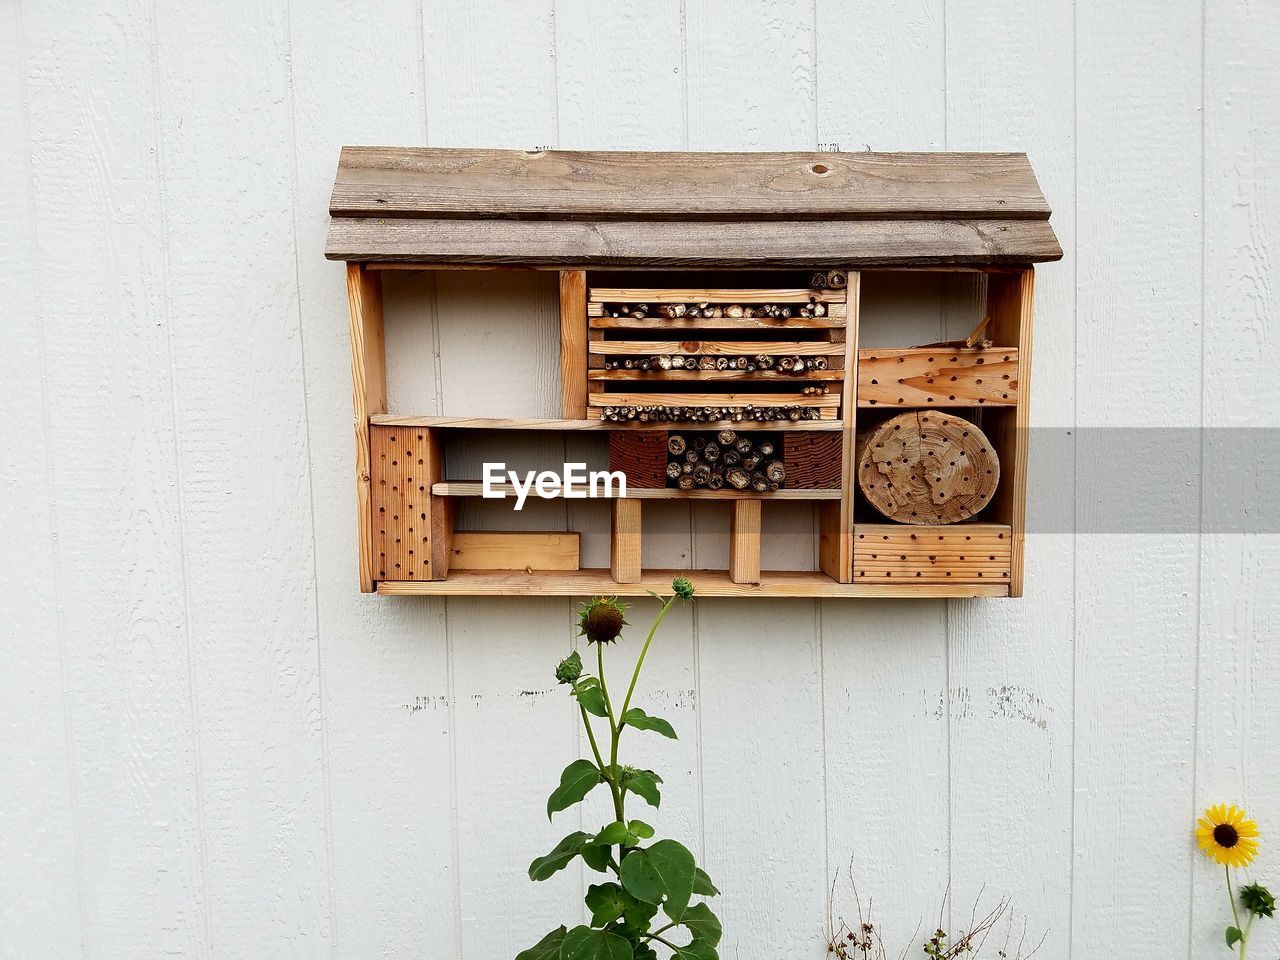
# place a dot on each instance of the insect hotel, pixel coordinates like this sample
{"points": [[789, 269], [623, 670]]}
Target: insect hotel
{"points": [[736, 330]]}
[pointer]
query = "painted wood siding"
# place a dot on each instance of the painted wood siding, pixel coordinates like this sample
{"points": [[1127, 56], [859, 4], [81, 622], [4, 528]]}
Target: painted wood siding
{"points": [[214, 746]]}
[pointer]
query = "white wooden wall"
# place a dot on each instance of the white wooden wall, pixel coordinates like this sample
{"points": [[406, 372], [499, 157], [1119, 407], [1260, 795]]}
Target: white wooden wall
{"points": [[213, 746]]}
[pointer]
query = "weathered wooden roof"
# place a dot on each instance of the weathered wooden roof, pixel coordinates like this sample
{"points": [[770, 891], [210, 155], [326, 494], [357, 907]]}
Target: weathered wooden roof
{"points": [[564, 208]]}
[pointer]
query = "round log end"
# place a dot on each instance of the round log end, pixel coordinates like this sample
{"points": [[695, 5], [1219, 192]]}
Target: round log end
{"points": [[927, 467]]}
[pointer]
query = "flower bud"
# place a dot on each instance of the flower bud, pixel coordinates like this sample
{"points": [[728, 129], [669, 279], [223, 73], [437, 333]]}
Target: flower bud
{"points": [[570, 668], [683, 588], [602, 620]]}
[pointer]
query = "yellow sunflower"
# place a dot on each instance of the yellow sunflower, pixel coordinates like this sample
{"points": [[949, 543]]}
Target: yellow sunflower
{"points": [[1228, 836]]}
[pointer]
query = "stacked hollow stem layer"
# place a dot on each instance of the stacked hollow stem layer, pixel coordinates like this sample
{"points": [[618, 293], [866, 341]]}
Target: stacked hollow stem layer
{"points": [[760, 363], [668, 414], [716, 311], [724, 459]]}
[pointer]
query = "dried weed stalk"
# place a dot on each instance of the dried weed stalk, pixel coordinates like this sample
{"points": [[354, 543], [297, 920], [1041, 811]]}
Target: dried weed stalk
{"points": [[861, 939]]}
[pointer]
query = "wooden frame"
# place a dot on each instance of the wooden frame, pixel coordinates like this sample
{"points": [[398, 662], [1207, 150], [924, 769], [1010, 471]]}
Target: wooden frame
{"points": [[929, 221], [368, 395]]}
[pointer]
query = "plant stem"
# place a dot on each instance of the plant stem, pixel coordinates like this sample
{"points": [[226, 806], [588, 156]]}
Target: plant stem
{"points": [[591, 738], [655, 933], [654, 936], [604, 687], [635, 674], [1235, 915], [615, 781]]}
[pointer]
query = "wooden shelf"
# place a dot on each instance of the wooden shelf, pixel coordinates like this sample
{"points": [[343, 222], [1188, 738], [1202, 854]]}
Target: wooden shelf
{"points": [[474, 488], [707, 583], [501, 423]]}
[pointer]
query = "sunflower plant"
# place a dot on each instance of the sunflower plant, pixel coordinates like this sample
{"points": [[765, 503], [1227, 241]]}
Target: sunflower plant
{"points": [[641, 879], [1228, 837]]}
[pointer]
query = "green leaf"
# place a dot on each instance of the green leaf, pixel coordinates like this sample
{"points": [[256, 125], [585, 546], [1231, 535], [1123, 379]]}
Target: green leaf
{"points": [[589, 694], [559, 858], [576, 782], [614, 833], [639, 914], [607, 902], [596, 856], [628, 834], [583, 943], [637, 718], [643, 783], [702, 884], [660, 874], [1234, 936], [696, 950], [548, 948], [702, 923]]}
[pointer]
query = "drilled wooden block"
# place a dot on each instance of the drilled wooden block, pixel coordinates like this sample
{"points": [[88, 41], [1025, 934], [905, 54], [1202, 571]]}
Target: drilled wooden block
{"points": [[937, 377], [641, 457], [959, 553], [812, 460], [411, 528]]}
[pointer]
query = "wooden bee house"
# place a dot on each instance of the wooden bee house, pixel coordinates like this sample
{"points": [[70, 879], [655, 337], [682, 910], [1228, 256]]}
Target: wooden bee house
{"points": [[709, 317]]}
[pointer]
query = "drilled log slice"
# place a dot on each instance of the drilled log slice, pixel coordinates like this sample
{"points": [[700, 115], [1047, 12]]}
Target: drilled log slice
{"points": [[927, 467]]}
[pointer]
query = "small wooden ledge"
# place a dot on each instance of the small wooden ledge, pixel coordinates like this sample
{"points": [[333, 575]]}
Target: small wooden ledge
{"points": [[707, 583]]}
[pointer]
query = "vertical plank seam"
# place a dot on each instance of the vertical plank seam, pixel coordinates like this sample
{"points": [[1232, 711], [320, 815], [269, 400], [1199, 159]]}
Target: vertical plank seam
{"points": [[455, 845], [422, 74], [555, 73], [326, 787], [68, 736], [684, 71], [1075, 459], [436, 361], [1199, 572], [813, 70], [202, 846], [946, 604], [695, 623], [578, 741], [819, 623]]}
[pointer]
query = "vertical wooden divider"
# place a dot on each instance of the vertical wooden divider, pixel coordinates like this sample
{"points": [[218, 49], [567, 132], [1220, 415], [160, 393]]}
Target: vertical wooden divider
{"points": [[1010, 299], [624, 541], [835, 526], [573, 343], [368, 393], [744, 541]]}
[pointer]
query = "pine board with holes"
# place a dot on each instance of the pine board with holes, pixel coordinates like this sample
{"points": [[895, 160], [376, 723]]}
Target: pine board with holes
{"points": [[943, 377], [954, 553]]}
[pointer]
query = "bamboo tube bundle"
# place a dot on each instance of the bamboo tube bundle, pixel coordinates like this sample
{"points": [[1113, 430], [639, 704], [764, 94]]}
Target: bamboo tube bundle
{"points": [[757, 364], [927, 467], [724, 459], [717, 311], [708, 414]]}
